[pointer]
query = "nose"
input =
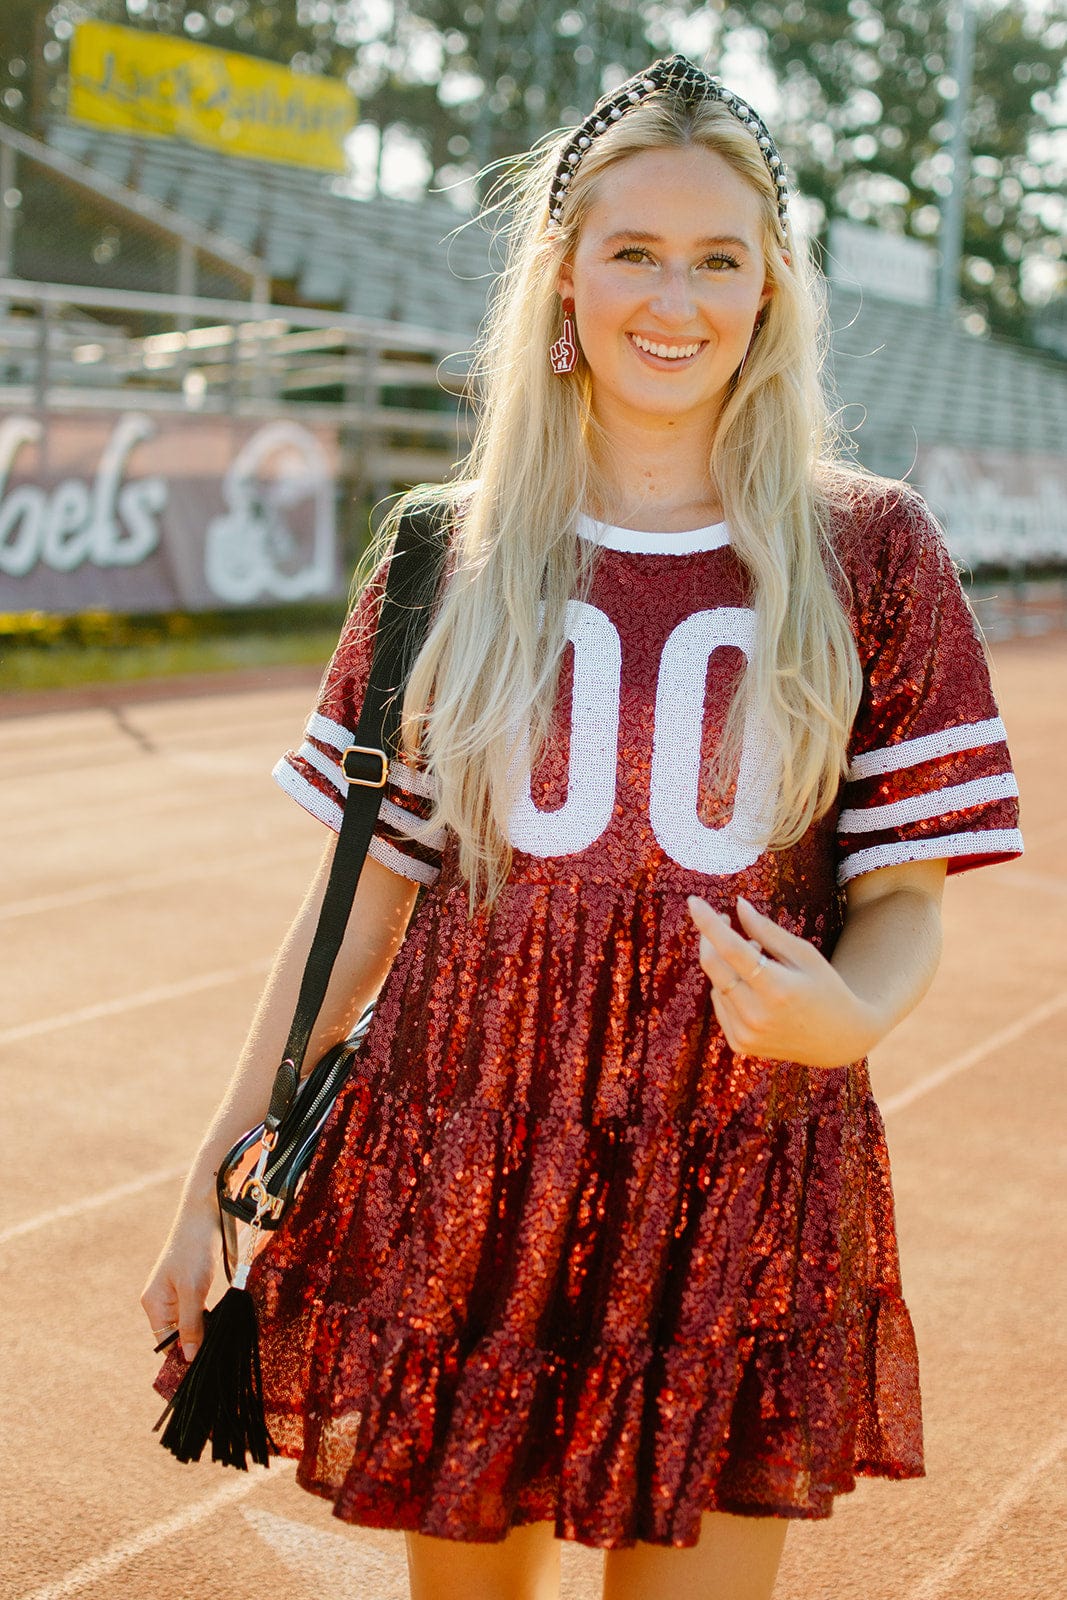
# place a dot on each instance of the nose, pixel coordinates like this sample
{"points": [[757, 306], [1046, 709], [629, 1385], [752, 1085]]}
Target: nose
{"points": [[674, 299]]}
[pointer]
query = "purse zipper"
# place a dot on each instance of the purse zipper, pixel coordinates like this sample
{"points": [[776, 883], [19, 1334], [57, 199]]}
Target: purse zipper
{"points": [[284, 1155]]}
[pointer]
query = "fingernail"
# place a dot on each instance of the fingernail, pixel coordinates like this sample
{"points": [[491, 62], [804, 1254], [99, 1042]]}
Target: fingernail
{"points": [[189, 1351]]}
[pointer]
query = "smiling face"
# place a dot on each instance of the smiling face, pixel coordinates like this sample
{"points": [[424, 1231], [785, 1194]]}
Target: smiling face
{"points": [[667, 280]]}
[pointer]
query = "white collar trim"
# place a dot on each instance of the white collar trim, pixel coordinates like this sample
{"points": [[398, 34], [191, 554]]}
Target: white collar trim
{"points": [[636, 542]]}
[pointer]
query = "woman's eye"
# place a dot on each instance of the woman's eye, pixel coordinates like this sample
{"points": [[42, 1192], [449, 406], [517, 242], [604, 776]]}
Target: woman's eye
{"points": [[637, 253]]}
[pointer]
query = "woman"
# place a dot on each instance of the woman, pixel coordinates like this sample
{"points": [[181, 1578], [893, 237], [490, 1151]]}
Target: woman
{"points": [[599, 1244]]}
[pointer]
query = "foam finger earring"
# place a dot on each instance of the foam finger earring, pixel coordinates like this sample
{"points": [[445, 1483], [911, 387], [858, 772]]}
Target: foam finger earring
{"points": [[564, 352]]}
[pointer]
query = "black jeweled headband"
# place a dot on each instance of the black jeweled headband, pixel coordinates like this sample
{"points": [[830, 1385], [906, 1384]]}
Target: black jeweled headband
{"points": [[680, 77]]}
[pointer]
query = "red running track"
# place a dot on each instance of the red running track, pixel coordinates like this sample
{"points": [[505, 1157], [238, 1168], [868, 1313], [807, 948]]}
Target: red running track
{"points": [[150, 870]]}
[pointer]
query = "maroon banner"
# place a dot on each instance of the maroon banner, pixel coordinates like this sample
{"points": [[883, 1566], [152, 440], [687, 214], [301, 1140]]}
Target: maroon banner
{"points": [[134, 511], [1000, 508]]}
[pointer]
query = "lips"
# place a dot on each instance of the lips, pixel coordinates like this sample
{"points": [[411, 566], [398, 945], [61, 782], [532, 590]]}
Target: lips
{"points": [[679, 353]]}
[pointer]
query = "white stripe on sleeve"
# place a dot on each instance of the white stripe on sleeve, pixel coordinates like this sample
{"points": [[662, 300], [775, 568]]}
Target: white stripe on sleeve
{"points": [[326, 731], [338, 737], [320, 805], [990, 842], [323, 765], [407, 866], [326, 810], [912, 752], [414, 827], [413, 779], [934, 803]]}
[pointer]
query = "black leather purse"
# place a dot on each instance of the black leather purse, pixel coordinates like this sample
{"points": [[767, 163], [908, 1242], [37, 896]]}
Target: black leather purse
{"points": [[241, 1183], [220, 1395]]}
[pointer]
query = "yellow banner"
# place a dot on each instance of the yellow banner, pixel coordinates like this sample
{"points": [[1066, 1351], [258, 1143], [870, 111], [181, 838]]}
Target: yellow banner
{"points": [[166, 87]]}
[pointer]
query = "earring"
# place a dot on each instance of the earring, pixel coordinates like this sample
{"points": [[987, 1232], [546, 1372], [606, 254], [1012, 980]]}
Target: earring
{"points": [[564, 353]]}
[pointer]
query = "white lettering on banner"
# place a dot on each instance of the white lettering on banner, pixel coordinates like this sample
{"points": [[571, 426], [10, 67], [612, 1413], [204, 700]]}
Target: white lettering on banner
{"points": [[108, 523], [998, 507], [676, 749], [250, 550]]}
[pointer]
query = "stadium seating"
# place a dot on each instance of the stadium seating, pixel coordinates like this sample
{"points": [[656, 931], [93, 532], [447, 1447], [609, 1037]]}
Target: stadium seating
{"points": [[335, 249], [906, 376]]}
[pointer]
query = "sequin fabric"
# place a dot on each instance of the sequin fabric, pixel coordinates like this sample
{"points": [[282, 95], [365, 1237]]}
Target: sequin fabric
{"points": [[561, 1255]]}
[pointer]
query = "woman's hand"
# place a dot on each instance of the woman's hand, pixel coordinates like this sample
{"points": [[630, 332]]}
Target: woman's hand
{"points": [[175, 1294], [177, 1291], [776, 996]]}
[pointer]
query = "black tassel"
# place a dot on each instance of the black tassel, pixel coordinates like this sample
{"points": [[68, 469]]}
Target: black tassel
{"points": [[221, 1396]]}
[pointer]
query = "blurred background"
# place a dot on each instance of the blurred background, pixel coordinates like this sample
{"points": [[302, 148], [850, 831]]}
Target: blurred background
{"points": [[239, 275]]}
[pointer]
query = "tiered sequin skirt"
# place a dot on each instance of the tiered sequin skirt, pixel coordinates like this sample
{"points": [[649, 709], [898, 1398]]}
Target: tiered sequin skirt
{"points": [[561, 1256]]}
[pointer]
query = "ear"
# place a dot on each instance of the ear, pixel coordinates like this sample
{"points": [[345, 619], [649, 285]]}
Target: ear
{"points": [[565, 281], [768, 287]]}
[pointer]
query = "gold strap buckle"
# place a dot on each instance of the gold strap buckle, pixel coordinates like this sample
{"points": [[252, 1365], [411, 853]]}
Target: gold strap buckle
{"points": [[352, 772]]}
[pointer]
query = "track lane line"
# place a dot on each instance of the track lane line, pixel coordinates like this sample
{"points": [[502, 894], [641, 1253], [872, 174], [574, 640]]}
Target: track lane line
{"points": [[971, 1058], [1047, 834], [109, 1561], [110, 888], [120, 809], [1042, 882], [1014, 1494], [896, 1102], [134, 1002], [92, 1202]]}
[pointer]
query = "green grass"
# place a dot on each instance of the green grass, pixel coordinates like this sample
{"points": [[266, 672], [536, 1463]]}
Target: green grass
{"points": [[39, 651], [76, 666]]}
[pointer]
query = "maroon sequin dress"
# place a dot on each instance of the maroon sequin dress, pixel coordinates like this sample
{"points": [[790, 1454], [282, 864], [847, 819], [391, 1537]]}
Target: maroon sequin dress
{"points": [[561, 1255]]}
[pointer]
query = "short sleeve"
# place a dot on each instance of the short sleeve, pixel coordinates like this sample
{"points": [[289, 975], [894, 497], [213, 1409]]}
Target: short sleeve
{"points": [[929, 775], [311, 773]]}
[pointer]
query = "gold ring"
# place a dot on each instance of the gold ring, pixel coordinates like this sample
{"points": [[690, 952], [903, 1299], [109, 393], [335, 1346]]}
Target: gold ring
{"points": [[760, 964], [728, 988], [161, 1333]]}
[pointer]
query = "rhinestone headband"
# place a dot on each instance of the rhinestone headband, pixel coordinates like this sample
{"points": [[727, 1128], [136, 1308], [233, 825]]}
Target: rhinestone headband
{"points": [[680, 77]]}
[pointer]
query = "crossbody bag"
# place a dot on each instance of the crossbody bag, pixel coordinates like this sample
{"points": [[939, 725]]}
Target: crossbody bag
{"points": [[220, 1396]]}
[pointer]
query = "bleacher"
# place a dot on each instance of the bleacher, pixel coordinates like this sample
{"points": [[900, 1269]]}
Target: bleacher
{"points": [[369, 296], [906, 375], [379, 257], [903, 373]]}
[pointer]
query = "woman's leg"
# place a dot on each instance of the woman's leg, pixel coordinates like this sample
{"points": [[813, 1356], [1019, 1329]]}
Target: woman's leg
{"points": [[736, 1559], [524, 1566]]}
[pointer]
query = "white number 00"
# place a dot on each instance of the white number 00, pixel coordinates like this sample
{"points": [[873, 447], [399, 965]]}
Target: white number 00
{"points": [[676, 740]]}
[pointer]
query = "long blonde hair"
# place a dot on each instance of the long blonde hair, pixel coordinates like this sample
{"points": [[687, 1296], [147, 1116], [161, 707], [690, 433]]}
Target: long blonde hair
{"points": [[491, 660]]}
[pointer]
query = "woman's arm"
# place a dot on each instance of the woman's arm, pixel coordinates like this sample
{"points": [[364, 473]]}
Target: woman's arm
{"points": [[776, 996], [383, 903]]}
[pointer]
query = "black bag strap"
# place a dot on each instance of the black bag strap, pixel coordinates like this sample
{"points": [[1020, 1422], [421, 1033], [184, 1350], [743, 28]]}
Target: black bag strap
{"points": [[414, 574]]}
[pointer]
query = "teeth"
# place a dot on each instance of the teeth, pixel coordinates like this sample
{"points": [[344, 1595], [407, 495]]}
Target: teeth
{"points": [[669, 352]]}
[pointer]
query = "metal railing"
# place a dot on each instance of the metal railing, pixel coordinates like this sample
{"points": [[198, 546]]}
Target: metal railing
{"points": [[188, 238], [397, 393]]}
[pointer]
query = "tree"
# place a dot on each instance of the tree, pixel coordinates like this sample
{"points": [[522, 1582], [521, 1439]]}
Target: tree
{"points": [[312, 37], [474, 81], [865, 89]]}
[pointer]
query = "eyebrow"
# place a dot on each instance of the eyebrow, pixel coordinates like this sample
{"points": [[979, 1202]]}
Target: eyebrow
{"points": [[639, 236]]}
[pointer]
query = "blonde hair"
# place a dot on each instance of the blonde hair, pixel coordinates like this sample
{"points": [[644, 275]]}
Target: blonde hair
{"points": [[491, 660]]}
